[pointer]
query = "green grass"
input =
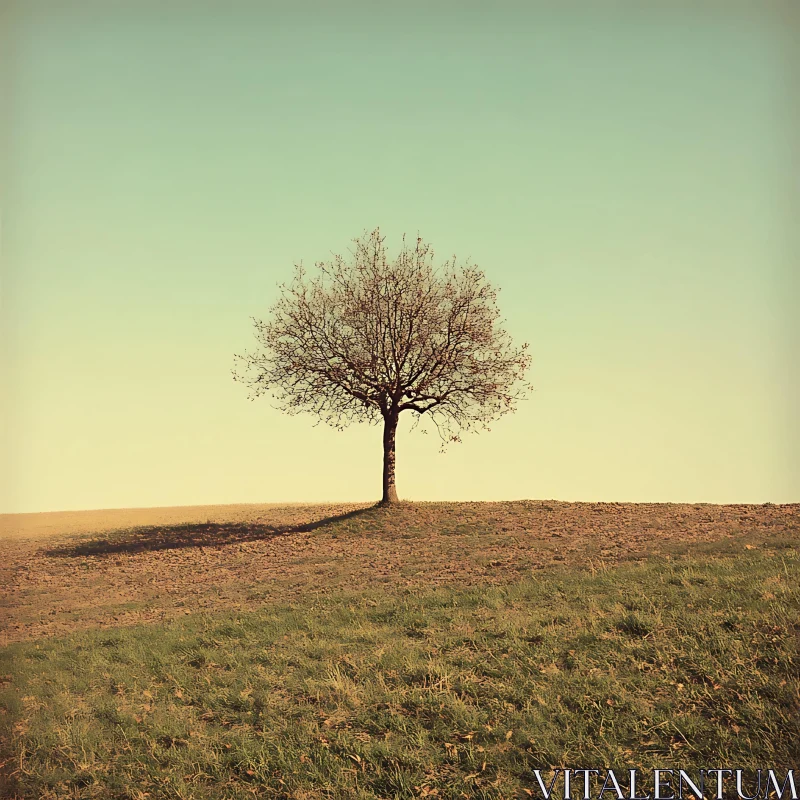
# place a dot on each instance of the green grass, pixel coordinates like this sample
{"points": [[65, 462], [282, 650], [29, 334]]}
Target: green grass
{"points": [[686, 662]]}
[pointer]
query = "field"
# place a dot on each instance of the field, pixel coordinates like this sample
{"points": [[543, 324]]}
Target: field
{"points": [[424, 650]]}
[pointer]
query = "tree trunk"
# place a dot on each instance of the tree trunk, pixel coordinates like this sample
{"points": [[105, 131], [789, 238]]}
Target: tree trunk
{"points": [[389, 431]]}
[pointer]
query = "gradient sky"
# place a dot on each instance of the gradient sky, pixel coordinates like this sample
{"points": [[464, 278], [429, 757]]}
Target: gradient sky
{"points": [[626, 178]]}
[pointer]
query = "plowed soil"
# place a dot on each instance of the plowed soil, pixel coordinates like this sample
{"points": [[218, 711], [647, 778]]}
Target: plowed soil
{"points": [[69, 570]]}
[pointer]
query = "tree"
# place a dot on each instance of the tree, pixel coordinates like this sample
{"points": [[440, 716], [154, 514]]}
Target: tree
{"points": [[366, 338]]}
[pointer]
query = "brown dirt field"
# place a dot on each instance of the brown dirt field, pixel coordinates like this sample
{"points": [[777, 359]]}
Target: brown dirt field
{"points": [[70, 570]]}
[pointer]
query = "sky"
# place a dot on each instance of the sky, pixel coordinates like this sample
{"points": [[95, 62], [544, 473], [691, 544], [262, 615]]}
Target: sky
{"points": [[625, 173]]}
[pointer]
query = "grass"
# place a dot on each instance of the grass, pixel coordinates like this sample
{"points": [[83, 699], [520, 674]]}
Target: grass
{"points": [[686, 661]]}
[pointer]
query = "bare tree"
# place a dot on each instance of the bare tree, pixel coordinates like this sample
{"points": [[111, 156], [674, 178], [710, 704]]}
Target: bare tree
{"points": [[366, 338]]}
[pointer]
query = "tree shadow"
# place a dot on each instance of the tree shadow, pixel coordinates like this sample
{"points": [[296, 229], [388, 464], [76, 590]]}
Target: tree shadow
{"points": [[152, 538]]}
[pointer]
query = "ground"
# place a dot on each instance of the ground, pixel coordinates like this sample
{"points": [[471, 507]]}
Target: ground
{"points": [[423, 650]]}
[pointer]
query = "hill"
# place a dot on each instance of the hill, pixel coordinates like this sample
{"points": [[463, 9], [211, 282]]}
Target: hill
{"points": [[425, 650]]}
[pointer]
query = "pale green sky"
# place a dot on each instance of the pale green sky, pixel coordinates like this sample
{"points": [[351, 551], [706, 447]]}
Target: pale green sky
{"points": [[626, 178]]}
